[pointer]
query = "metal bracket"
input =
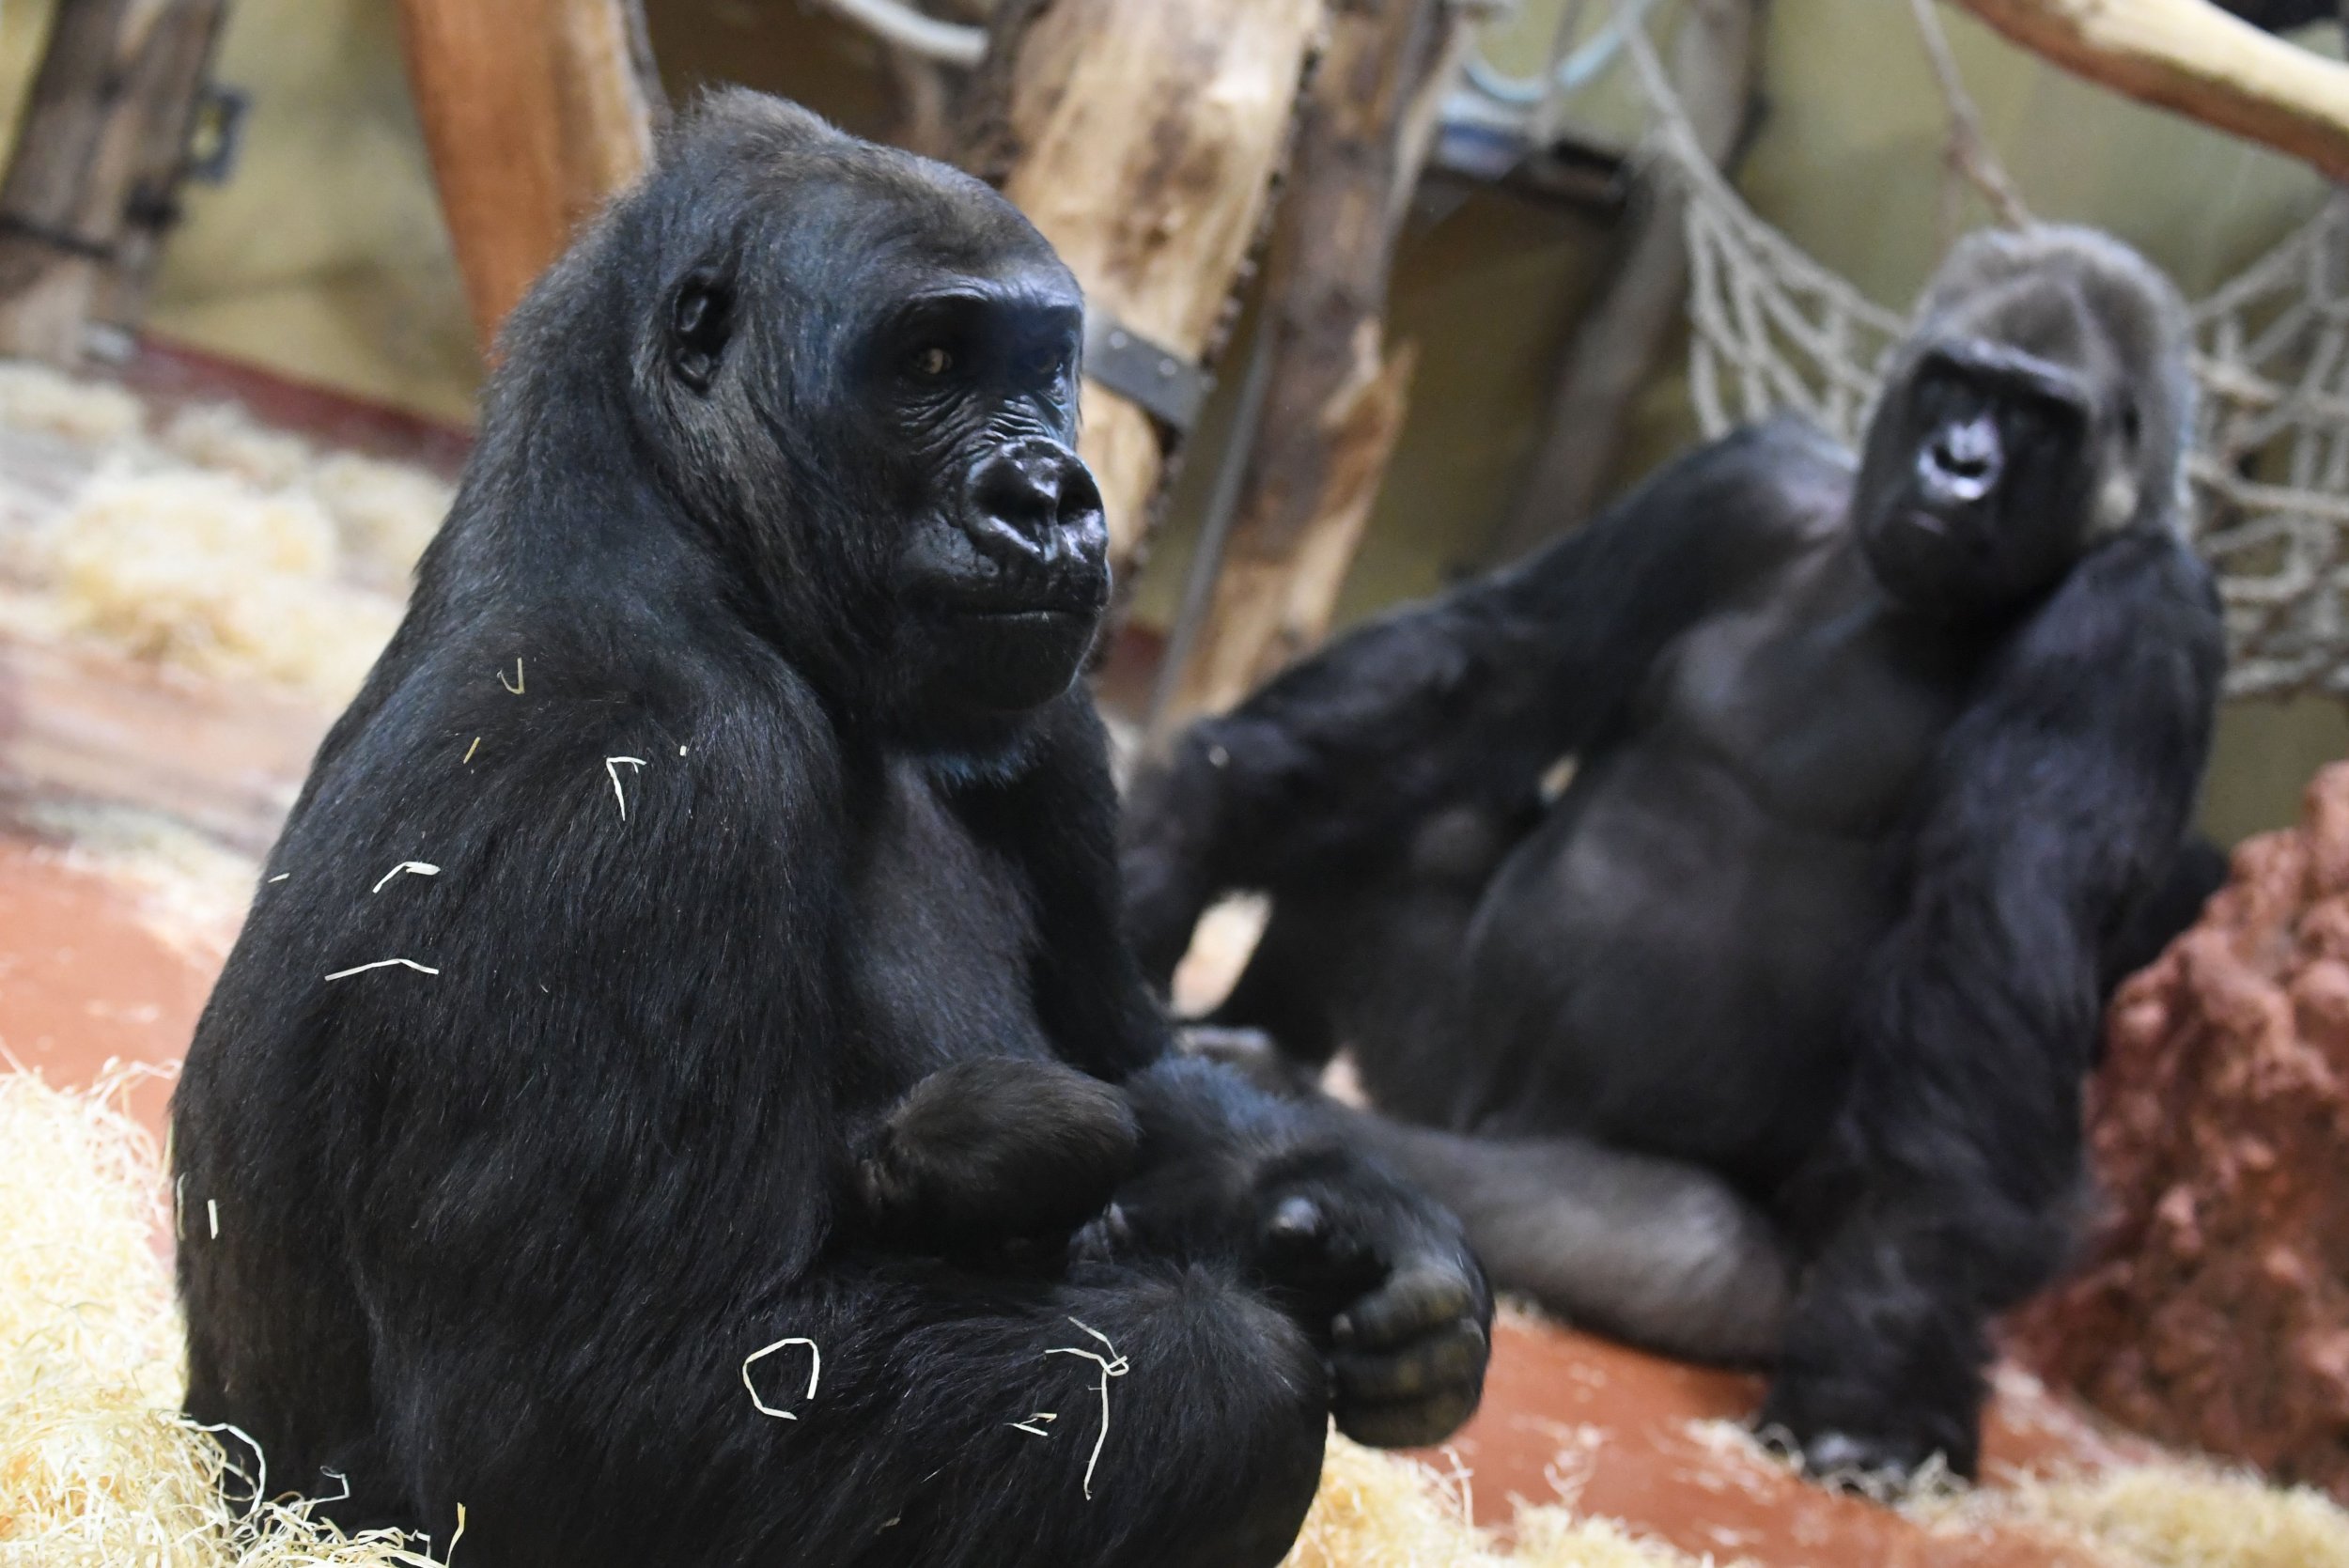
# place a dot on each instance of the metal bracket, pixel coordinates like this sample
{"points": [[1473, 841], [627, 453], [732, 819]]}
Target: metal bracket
{"points": [[217, 135], [1169, 386]]}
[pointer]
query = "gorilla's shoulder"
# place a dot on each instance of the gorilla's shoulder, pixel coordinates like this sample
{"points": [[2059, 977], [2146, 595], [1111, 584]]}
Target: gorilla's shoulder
{"points": [[1781, 479], [1790, 445]]}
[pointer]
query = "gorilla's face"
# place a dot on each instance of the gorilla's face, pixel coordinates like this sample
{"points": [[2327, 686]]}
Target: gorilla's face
{"points": [[864, 366], [1977, 477], [2040, 408], [1003, 572]]}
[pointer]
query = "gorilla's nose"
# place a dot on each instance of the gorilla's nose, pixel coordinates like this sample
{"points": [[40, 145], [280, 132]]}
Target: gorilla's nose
{"points": [[1963, 460], [1034, 503]]}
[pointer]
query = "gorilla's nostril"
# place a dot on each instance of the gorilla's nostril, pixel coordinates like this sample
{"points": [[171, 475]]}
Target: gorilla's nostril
{"points": [[1962, 460], [1080, 497], [1026, 494], [1033, 505], [1958, 461]]}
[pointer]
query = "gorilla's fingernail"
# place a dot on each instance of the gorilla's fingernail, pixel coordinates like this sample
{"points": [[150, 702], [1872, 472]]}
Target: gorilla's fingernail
{"points": [[1341, 1328]]}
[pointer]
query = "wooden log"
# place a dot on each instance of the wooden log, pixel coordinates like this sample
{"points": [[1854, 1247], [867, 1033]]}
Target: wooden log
{"points": [[89, 186], [535, 111], [1141, 137], [2189, 56], [1335, 402], [1716, 56]]}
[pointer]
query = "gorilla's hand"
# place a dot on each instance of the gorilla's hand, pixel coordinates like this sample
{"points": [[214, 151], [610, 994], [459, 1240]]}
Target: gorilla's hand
{"points": [[1852, 1435], [1408, 1311], [1376, 1272], [997, 1149]]}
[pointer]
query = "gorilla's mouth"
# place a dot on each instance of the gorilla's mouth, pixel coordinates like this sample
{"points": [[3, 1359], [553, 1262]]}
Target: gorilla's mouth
{"points": [[1033, 605], [1023, 615]]}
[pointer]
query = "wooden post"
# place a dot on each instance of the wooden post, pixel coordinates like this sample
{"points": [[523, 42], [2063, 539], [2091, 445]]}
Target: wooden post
{"points": [[1714, 57], [89, 187], [1336, 400], [1141, 136], [2190, 56], [535, 111]]}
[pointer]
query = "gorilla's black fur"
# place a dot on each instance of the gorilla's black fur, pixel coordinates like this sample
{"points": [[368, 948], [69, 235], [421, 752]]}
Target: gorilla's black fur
{"points": [[1771, 1028], [772, 987]]}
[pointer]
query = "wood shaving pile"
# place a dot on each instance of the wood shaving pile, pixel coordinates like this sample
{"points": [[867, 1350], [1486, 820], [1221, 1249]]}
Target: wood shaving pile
{"points": [[1377, 1511], [2176, 1515], [214, 546], [97, 1468], [35, 398]]}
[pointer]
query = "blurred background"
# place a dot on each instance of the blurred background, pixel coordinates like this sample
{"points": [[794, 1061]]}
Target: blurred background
{"points": [[323, 255]]}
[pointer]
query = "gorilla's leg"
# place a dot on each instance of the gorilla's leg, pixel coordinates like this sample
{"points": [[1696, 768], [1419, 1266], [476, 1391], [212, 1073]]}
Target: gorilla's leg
{"points": [[953, 1423], [1656, 1252]]}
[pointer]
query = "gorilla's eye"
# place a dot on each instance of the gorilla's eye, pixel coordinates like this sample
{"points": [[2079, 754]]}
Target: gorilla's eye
{"points": [[700, 321], [932, 362], [1045, 364]]}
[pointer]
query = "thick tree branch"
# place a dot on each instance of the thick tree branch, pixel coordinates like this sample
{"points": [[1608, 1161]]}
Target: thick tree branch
{"points": [[535, 113], [2189, 56], [1142, 139]]}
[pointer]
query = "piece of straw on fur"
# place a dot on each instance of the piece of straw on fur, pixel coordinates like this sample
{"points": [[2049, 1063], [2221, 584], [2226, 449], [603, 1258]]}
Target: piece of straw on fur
{"points": [[610, 766], [1111, 1365], [382, 964], [815, 1370]]}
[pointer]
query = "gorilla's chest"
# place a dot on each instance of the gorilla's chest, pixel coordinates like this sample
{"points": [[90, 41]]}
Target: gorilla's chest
{"points": [[1819, 697], [945, 936]]}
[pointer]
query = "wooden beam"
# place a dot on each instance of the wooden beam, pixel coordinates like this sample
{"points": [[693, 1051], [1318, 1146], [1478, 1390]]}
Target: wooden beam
{"points": [[1335, 403], [2191, 57], [535, 111], [89, 186], [1142, 136]]}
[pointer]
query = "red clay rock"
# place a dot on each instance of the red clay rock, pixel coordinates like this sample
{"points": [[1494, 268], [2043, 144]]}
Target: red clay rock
{"points": [[2213, 1308]]}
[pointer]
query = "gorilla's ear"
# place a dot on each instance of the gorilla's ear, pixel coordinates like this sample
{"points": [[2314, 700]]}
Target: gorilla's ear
{"points": [[701, 320]]}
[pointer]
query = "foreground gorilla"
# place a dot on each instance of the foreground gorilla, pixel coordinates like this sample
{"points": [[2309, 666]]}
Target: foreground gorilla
{"points": [[1771, 1028], [701, 933]]}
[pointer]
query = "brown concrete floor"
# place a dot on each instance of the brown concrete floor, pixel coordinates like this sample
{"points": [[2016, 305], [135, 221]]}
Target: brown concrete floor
{"points": [[83, 982]]}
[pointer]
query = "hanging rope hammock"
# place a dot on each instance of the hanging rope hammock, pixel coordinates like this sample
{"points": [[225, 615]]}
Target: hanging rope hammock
{"points": [[1773, 330]]}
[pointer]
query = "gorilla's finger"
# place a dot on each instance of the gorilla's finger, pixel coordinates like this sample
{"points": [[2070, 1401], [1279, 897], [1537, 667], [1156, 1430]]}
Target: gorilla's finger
{"points": [[1409, 1304], [1451, 1358], [1405, 1427]]}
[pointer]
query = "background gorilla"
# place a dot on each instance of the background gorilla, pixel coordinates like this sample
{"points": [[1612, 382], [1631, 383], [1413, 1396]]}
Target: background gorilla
{"points": [[1772, 1026], [773, 954]]}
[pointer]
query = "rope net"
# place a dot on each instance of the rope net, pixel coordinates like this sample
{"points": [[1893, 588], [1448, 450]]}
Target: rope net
{"points": [[1772, 330]]}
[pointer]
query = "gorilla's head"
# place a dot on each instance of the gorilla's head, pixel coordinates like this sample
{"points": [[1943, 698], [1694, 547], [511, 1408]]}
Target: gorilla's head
{"points": [[2041, 404], [853, 371]]}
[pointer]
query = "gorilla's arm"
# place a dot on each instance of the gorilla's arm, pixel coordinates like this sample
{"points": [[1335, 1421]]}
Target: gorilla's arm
{"points": [[1375, 1271], [1469, 698], [2056, 804]]}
